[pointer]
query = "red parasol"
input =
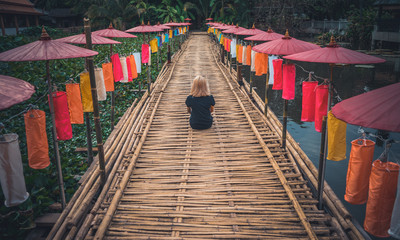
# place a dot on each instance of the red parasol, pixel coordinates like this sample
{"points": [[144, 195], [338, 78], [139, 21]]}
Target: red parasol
{"points": [[14, 91], [265, 37], [234, 30], [142, 28], [172, 24], [285, 46], [81, 39], [333, 53], [377, 109], [47, 49], [188, 19], [227, 27], [161, 26], [222, 26], [111, 32], [252, 31], [209, 19]]}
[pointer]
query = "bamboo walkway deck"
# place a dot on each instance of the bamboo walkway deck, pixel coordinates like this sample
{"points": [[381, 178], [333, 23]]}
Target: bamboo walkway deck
{"points": [[167, 181]]}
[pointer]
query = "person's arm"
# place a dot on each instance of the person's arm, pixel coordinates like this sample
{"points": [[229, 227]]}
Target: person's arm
{"points": [[189, 110]]}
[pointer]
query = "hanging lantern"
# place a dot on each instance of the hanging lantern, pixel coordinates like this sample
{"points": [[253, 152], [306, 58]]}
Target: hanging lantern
{"points": [[261, 63], [87, 101], [133, 67], [124, 70], [108, 77], [336, 138], [74, 103], [145, 53], [129, 68], [36, 139], [61, 112], [394, 230], [101, 88], [358, 171], [248, 55], [117, 68], [308, 103], [11, 171], [382, 194], [288, 79], [278, 84], [321, 103]]}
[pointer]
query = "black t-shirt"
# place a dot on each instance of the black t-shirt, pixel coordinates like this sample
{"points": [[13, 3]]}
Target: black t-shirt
{"points": [[200, 117]]}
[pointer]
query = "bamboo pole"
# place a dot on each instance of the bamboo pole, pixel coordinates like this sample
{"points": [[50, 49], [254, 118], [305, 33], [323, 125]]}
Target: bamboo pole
{"points": [[284, 123], [322, 165], [95, 102], [89, 139], [112, 97]]}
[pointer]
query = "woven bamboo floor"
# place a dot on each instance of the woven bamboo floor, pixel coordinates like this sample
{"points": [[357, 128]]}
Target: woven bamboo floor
{"points": [[232, 181]]}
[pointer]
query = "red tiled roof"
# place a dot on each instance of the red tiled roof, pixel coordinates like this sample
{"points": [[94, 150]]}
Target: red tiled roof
{"points": [[18, 7]]}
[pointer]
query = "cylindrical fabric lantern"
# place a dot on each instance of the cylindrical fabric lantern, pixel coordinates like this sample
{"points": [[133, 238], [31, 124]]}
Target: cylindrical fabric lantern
{"points": [[308, 103], [11, 171], [36, 139], [253, 61], [117, 68], [145, 53], [138, 62], [321, 105], [244, 54], [74, 103], [394, 230], [129, 67], [124, 69], [101, 88], [271, 68], [87, 101], [108, 76], [336, 138], [240, 54], [289, 81], [382, 194], [248, 55], [61, 112], [133, 67], [278, 82], [358, 171]]}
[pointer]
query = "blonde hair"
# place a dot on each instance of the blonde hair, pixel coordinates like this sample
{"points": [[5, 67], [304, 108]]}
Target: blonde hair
{"points": [[200, 87]]}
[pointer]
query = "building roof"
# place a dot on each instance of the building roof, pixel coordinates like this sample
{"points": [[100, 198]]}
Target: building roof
{"points": [[18, 7], [386, 2], [61, 12]]}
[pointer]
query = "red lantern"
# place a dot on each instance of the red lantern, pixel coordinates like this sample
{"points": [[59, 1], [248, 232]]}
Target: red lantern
{"points": [[117, 68], [308, 103], [145, 53], [61, 112], [36, 139], [278, 85], [74, 103], [289, 77], [321, 105]]}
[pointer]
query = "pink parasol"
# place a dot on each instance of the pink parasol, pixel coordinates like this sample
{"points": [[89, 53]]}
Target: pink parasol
{"points": [[111, 32], [81, 39], [234, 30], [209, 19], [285, 46], [377, 109], [264, 37], [144, 29], [14, 91], [227, 27], [252, 31], [47, 49], [222, 26], [188, 19], [172, 24], [333, 53], [161, 26]]}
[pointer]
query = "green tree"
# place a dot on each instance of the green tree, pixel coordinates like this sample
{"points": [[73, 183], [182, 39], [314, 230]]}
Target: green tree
{"points": [[144, 9]]}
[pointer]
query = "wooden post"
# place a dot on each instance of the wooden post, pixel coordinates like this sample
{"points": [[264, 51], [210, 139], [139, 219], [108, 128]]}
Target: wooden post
{"points": [[239, 75], [89, 139], [148, 77], [112, 97], [251, 74], [284, 123], [169, 50], [96, 111], [266, 96], [16, 24], [322, 165], [3, 30], [55, 141]]}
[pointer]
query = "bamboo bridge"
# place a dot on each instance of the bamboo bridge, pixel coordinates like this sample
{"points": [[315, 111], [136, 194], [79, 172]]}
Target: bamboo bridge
{"points": [[233, 181]]}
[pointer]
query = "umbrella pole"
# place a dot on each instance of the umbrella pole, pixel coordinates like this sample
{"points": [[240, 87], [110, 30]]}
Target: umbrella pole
{"points": [[55, 142], [251, 74], [112, 97], [169, 50], [148, 69], [284, 123], [266, 95], [96, 111], [324, 146], [89, 138]]}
